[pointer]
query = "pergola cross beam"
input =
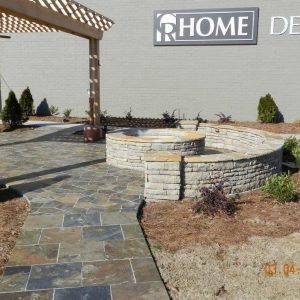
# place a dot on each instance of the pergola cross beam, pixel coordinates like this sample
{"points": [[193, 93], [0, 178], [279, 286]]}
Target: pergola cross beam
{"points": [[52, 15]]}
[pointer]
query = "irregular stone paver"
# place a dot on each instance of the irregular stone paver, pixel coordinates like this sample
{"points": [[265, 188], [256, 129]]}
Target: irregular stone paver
{"points": [[81, 239], [27, 255]]}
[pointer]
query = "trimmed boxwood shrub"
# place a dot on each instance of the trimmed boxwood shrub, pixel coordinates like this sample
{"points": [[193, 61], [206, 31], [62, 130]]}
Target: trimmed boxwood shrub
{"points": [[267, 110], [11, 114], [26, 102]]}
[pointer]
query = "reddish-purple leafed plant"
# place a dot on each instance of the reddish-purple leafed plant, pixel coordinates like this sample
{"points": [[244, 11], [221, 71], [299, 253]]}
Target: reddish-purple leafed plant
{"points": [[213, 201]]}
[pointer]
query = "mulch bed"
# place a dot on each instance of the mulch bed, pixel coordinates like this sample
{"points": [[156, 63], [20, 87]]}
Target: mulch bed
{"points": [[72, 120], [173, 226], [287, 128], [13, 212], [16, 129]]}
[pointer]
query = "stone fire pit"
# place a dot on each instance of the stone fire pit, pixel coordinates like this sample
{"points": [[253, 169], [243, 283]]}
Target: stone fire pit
{"points": [[126, 148]]}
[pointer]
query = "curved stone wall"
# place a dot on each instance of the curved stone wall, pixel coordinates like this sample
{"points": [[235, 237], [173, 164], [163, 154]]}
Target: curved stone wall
{"points": [[126, 148], [257, 155]]}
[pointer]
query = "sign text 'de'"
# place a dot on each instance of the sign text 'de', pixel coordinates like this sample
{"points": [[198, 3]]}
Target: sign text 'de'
{"points": [[285, 25], [206, 27]]}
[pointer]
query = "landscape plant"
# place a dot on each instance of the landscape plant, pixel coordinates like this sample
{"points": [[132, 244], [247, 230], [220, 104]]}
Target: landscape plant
{"points": [[54, 111], [290, 144], [169, 118], [296, 155], [291, 149], [11, 114], [213, 201], [43, 109], [281, 187], [103, 115], [200, 119], [267, 110], [67, 113], [128, 115], [297, 122], [223, 118], [26, 102]]}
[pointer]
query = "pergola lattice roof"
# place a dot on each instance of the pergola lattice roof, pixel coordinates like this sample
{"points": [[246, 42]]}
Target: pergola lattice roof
{"points": [[70, 9]]}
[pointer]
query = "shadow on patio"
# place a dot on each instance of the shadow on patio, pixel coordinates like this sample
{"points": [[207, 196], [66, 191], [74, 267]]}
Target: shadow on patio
{"points": [[51, 171], [68, 135]]}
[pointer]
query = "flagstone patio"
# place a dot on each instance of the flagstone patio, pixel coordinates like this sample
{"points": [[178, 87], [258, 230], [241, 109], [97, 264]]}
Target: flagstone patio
{"points": [[82, 239]]}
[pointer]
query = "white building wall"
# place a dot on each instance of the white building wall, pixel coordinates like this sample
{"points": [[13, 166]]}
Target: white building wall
{"points": [[153, 79]]}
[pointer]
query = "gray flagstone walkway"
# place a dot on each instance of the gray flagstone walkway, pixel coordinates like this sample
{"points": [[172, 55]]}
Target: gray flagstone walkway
{"points": [[82, 239]]}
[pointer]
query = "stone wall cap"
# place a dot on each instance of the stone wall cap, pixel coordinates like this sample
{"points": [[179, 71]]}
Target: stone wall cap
{"points": [[166, 135], [162, 156], [188, 122]]}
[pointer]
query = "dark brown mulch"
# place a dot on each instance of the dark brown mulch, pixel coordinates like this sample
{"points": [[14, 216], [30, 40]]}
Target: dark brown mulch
{"points": [[288, 128], [72, 120], [174, 226], [17, 129], [13, 212]]}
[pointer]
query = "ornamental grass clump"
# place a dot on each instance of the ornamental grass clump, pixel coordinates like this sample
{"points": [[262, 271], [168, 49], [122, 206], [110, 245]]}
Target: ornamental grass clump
{"points": [[169, 118], [213, 201], [54, 111], [11, 114], [67, 113], [267, 110], [281, 187]]}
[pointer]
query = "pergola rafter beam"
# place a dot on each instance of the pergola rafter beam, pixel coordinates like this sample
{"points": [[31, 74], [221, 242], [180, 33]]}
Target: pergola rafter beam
{"points": [[57, 15]]}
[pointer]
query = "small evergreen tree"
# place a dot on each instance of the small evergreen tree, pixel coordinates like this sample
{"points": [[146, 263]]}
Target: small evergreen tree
{"points": [[43, 109], [26, 102], [267, 110], [11, 114]]}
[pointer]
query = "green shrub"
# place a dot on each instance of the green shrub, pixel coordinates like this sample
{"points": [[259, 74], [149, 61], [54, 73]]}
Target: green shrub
{"points": [[11, 114], [128, 115], [54, 111], [169, 118], [291, 150], [281, 187], [290, 144], [223, 118], [43, 109], [26, 102], [267, 110], [296, 155], [67, 113]]}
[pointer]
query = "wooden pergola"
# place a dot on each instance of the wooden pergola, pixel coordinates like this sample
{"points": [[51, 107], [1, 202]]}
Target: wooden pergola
{"points": [[17, 16]]}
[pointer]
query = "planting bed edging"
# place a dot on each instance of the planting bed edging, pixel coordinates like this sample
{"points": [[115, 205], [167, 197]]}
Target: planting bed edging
{"points": [[126, 148], [171, 177]]}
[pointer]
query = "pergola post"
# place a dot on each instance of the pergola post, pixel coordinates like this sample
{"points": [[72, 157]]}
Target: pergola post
{"points": [[95, 78]]}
